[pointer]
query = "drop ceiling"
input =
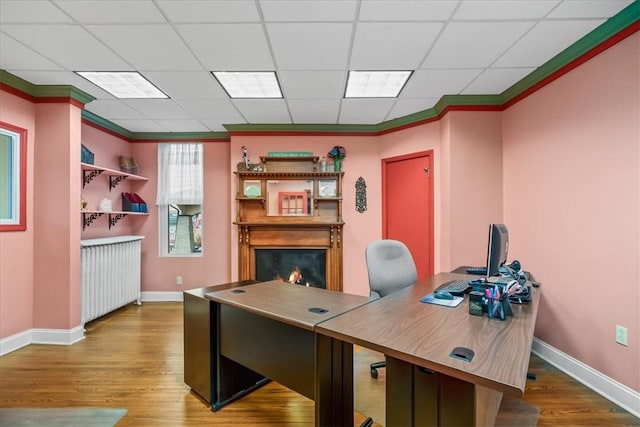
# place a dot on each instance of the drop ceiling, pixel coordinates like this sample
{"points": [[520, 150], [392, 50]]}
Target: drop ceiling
{"points": [[463, 47]]}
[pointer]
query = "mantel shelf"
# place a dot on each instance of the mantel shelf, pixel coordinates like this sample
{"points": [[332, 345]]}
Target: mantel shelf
{"points": [[288, 174]]}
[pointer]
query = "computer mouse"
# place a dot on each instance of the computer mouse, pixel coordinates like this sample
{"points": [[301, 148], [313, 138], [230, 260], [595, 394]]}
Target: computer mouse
{"points": [[443, 295]]}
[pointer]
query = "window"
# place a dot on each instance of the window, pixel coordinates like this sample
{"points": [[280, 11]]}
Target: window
{"points": [[13, 178], [179, 199]]}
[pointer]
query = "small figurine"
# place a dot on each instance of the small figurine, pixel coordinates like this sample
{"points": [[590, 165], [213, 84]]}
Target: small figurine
{"points": [[245, 157]]}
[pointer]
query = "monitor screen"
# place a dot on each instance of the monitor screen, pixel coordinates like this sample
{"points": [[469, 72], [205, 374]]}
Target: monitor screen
{"points": [[497, 248]]}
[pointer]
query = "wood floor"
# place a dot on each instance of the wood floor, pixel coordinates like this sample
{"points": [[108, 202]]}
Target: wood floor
{"points": [[132, 359]]}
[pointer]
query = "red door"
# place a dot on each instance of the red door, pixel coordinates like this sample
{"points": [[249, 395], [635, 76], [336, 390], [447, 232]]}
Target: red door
{"points": [[407, 206]]}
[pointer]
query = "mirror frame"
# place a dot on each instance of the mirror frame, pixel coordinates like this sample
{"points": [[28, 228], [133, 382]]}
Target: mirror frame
{"points": [[18, 219]]}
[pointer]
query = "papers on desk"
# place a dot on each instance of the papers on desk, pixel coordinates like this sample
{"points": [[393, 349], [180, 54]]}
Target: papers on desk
{"points": [[429, 298]]}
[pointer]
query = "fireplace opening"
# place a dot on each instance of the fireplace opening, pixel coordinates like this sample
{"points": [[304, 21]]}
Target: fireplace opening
{"points": [[300, 266]]}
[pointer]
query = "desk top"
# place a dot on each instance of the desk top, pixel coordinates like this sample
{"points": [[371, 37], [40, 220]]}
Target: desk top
{"points": [[401, 326], [289, 303]]}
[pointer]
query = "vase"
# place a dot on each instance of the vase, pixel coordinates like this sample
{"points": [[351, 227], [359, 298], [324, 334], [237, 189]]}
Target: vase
{"points": [[337, 165]]}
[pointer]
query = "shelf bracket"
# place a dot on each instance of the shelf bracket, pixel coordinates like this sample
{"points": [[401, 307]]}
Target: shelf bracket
{"points": [[88, 218], [114, 218], [114, 180], [89, 175]]}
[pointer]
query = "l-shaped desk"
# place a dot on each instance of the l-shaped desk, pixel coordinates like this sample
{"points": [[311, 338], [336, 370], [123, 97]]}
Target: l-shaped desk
{"points": [[269, 328]]}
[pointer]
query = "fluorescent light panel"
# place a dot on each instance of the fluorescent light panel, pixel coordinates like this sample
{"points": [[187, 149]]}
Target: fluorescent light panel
{"points": [[376, 84], [128, 84], [249, 84]]}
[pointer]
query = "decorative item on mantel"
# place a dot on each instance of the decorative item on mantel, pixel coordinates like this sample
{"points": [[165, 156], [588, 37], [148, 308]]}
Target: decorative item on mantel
{"points": [[361, 195], [246, 166], [337, 153]]}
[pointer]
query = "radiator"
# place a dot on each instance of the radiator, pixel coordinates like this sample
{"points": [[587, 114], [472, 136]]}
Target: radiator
{"points": [[110, 274]]}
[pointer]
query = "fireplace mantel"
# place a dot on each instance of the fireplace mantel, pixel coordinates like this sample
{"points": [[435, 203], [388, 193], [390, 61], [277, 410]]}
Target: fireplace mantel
{"points": [[317, 223]]}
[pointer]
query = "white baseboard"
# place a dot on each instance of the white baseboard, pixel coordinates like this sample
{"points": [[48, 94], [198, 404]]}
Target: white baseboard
{"points": [[161, 297], [41, 336], [608, 388]]}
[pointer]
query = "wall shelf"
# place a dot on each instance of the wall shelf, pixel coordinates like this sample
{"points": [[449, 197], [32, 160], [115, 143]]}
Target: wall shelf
{"points": [[88, 216], [90, 171]]}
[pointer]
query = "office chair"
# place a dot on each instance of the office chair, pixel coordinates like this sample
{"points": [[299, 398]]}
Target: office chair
{"points": [[390, 267]]}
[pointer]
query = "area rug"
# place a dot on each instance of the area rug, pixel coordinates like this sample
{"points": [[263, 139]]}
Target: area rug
{"points": [[61, 417]]}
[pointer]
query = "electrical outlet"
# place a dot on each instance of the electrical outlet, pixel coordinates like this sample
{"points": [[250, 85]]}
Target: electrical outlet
{"points": [[178, 280], [621, 335]]}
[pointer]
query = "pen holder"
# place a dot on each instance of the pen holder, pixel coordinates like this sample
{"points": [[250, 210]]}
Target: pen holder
{"points": [[499, 308]]}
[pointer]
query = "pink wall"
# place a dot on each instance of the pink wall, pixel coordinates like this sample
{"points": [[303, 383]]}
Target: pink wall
{"points": [[213, 267], [572, 194], [56, 216], [16, 247]]}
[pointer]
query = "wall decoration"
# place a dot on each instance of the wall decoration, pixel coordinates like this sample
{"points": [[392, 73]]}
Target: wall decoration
{"points": [[361, 195]]}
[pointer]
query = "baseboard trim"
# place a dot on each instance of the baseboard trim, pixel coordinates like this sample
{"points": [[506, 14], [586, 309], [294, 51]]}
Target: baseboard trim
{"points": [[41, 336], [161, 297], [610, 389]]}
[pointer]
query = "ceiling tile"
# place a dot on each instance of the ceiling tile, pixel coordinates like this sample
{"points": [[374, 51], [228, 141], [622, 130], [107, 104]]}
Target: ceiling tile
{"points": [[312, 84], [435, 83], [214, 109], [184, 126], [147, 47], [400, 10], [312, 111], [226, 47], [544, 41], [263, 110], [32, 12], [218, 126], [113, 109], [186, 84], [406, 106], [402, 46], [496, 80], [70, 46], [365, 111], [198, 11], [504, 9], [157, 108], [317, 10], [589, 8], [310, 46], [111, 12], [15, 55], [140, 125], [474, 44]]}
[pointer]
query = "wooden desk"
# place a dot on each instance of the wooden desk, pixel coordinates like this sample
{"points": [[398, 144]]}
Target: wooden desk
{"points": [[269, 328], [425, 385]]}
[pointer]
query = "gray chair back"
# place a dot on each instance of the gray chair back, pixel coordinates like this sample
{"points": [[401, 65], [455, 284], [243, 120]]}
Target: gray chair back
{"points": [[390, 267]]}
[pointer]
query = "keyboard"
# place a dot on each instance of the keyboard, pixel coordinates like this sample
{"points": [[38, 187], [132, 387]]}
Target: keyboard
{"points": [[454, 287], [479, 271]]}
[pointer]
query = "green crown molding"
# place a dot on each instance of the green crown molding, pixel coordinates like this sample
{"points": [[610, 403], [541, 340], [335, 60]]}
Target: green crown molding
{"points": [[45, 91], [625, 19], [106, 124]]}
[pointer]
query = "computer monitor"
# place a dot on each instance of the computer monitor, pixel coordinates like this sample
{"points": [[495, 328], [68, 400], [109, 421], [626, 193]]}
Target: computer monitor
{"points": [[497, 248]]}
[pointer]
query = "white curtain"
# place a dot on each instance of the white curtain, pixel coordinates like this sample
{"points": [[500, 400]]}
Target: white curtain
{"points": [[180, 174]]}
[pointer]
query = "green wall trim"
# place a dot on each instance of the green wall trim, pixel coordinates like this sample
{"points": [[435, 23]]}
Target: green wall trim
{"points": [[625, 19], [17, 83], [106, 124]]}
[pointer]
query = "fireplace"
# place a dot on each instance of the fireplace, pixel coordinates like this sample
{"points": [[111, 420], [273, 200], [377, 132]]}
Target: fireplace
{"points": [[297, 266], [269, 251]]}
